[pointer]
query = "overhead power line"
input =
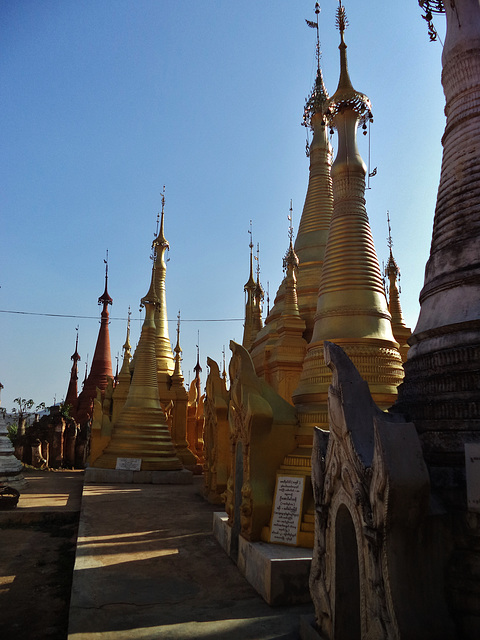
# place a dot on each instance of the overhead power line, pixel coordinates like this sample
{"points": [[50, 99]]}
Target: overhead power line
{"points": [[65, 315]]}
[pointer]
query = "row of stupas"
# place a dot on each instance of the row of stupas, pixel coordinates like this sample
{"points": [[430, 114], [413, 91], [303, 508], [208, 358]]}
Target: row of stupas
{"points": [[409, 492], [144, 411], [339, 292], [332, 290]]}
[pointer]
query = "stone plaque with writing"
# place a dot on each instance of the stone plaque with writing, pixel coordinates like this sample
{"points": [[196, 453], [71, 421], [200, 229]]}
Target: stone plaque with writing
{"points": [[129, 464], [287, 509], [472, 470]]}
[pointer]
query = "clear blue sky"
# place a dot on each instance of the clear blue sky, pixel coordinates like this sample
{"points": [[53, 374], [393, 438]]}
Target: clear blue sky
{"points": [[105, 101]]}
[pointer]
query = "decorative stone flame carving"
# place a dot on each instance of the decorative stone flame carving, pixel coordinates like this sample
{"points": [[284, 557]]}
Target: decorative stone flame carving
{"points": [[262, 432], [371, 491], [217, 436]]}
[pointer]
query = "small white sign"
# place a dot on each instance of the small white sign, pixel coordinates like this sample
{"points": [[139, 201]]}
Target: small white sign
{"points": [[472, 471], [129, 464], [287, 509]]}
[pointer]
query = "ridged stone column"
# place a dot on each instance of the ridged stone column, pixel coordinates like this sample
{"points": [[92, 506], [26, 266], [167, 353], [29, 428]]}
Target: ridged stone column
{"points": [[441, 391]]}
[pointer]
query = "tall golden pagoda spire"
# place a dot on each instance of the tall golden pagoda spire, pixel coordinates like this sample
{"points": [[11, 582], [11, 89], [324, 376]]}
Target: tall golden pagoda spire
{"points": [[400, 330], [352, 308], [165, 361], [314, 223], [141, 430], [318, 207]]}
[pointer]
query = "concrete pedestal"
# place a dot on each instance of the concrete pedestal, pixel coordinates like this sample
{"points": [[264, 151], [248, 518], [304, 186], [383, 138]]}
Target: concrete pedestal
{"points": [[118, 476], [278, 573]]}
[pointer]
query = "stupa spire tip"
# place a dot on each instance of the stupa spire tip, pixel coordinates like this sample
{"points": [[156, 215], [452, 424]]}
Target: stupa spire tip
{"points": [[105, 299], [318, 95]]}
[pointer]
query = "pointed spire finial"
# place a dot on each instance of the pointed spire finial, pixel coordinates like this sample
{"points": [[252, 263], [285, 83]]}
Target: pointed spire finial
{"points": [[341, 19], [250, 285], [105, 299], [318, 97], [391, 270], [290, 219], [177, 346], [197, 368], [314, 25], [160, 241], [86, 372], [177, 349], [290, 258], [76, 356], [346, 97], [126, 347], [389, 239]]}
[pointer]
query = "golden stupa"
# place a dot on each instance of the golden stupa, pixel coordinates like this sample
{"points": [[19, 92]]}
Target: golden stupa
{"points": [[400, 330], [253, 302], [339, 277], [352, 309], [311, 238], [163, 348], [141, 431]]}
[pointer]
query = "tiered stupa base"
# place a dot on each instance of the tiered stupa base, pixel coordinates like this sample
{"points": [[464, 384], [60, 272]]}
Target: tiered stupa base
{"points": [[10, 467], [141, 433]]}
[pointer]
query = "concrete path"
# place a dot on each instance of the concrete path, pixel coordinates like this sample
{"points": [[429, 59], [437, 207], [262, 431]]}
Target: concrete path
{"points": [[37, 553], [147, 566], [46, 492]]}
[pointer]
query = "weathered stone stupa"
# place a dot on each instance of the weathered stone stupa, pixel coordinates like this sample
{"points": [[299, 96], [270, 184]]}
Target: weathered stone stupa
{"points": [[11, 469], [101, 368], [441, 390], [71, 399]]}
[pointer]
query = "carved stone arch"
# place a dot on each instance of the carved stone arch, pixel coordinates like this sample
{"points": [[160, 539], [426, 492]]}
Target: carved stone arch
{"points": [[371, 490]]}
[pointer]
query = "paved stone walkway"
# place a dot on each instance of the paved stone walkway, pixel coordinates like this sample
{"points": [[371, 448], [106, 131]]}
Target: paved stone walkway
{"points": [[147, 566]]}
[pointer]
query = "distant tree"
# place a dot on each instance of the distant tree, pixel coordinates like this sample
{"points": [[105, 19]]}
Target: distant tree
{"points": [[25, 406], [65, 410], [21, 411]]}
